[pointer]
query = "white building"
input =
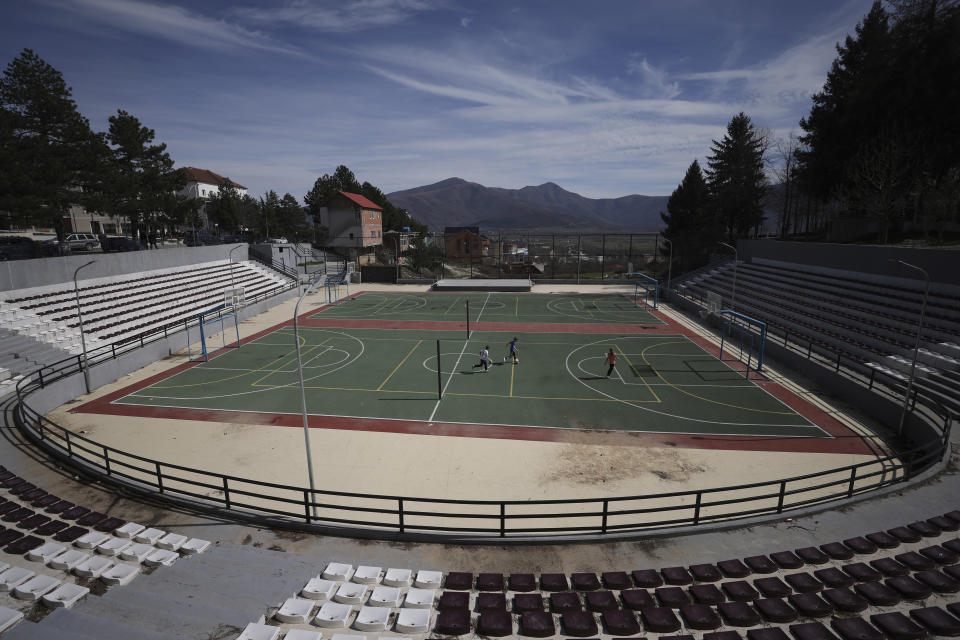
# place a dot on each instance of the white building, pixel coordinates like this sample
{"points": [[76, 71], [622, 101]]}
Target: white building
{"points": [[204, 184]]}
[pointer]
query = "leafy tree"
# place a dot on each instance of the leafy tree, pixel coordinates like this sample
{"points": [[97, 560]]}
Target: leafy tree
{"points": [[49, 157], [140, 177], [691, 226], [269, 204], [225, 208], [291, 219], [736, 177]]}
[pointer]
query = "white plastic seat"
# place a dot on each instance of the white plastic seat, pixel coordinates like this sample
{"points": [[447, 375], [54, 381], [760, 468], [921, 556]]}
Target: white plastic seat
{"points": [[149, 536], [384, 597], [91, 540], [163, 557], [113, 546], [303, 634], [194, 545], [256, 631], [351, 593], [398, 577], [413, 620], [367, 575], [45, 551], [319, 589], [333, 615], [120, 574], [13, 577], [8, 618], [372, 619], [35, 587], [66, 595], [171, 541], [137, 551], [420, 598], [295, 611], [93, 567], [337, 571], [68, 559], [428, 579]]}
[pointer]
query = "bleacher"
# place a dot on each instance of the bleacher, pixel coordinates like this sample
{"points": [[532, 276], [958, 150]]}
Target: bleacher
{"points": [[861, 318]]}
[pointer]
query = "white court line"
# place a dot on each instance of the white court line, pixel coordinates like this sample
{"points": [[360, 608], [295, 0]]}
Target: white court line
{"points": [[457, 365]]}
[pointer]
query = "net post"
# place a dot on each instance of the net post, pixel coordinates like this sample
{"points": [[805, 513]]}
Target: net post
{"points": [[439, 377], [468, 319]]}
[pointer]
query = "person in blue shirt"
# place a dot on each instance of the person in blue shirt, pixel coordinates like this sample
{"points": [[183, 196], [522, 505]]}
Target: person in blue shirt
{"points": [[514, 347]]}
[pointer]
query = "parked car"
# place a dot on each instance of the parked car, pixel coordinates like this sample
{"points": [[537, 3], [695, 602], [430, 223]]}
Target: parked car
{"points": [[280, 240], [23, 248], [200, 238], [118, 244], [77, 242]]}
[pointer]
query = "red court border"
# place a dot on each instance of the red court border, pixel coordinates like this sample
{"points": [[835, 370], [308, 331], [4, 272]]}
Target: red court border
{"points": [[843, 440]]}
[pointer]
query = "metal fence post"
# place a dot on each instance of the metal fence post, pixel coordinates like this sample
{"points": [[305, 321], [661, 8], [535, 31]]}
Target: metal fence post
{"points": [[783, 493], [400, 513], [503, 520], [159, 478], [853, 478], [696, 509], [226, 493], [603, 524], [106, 459]]}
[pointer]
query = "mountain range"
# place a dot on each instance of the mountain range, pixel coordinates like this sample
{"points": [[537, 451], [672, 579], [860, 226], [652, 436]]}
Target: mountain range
{"points": [[546, 207]]}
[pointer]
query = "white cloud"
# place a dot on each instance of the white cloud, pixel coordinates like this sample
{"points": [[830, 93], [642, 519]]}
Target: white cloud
{"points": [[465, 21], [340, 17], [171, 22], [654, 82]]}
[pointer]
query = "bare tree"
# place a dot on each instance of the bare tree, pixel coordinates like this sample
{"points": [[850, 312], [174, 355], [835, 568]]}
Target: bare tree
{"points": [[879, 177]]}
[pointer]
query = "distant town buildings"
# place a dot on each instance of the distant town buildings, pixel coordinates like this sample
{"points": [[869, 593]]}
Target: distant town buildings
{"points": [[465, 242], [203, 184], [351, 220]]}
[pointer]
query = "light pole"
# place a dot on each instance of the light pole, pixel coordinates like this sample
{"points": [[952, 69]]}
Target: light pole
{"points": [[916, 347], [83, 341], [669, 262], [733, 294], [233, 287], [303, 393]]}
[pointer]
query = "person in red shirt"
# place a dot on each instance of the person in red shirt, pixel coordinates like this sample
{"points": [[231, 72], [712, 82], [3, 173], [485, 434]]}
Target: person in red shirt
{"points": [[611, 360]]}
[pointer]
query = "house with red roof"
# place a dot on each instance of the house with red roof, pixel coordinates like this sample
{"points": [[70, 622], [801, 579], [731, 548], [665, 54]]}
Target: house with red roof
{"points": [[351, 220], [203, 184]]}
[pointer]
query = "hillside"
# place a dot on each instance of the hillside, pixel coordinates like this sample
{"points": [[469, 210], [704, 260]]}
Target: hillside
{"points": [[547, 207]]}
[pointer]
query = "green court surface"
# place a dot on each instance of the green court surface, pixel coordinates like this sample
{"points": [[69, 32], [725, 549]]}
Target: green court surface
{"points": [[662, 383], [494, 307]]}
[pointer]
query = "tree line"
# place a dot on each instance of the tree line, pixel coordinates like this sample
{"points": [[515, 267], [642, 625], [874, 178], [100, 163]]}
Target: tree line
{"points": [[879, 149], [51, 160]]}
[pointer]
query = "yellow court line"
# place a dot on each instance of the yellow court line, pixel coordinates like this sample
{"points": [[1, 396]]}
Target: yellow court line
{"points": [[257, 382], [516, 310], [513, 368], [399, 365], [467, 395], [218, 381], [455, 300], [637, 373]]}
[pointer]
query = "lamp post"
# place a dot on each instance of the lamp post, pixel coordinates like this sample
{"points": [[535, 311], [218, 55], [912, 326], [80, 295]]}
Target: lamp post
{"points": [[733, 294], [233, 287], [916, 347], [83, 341], [669, 262], [303, 393]]}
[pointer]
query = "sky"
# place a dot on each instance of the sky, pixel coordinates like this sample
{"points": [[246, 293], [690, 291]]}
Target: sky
{"points": [[604, 97]]}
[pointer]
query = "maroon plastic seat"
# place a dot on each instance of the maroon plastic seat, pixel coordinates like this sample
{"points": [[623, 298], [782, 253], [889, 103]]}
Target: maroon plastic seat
{"points": [[812, 555], [578, 624], [786, 560], [897, 626], [33, 521], [877, 594], [855, 629], [24, 544], [705, 572], [861, 572], [74, 512], [70, 534], [739, 591], [939, 555], [953, 515], [706, 594], [937, 621], [914, 561], [537, 624], [723, 635], [836, 551], [8, 536], [601, 601], [22, 488], [453, 622], [733, 569], [767, 633], [659, 619], [32, 495], [938, 581], [45, 501], [775, 610], [772, 587], [12, 481], [810, 605], [91, 519], [553, 582], [811, 631], [953, 572], [453, 600], [833, 577], [676, 576], [620, 623], [646, 578], [954, 608], [109, 525], [944, 523], [8, 507], [803, 582], [952, 545], [564, 601], [677, 637], [635, 599], [845, 600], [860, 545], [760, 564], [904, 534], [616, 580], [738, 614], [17, 514], [584, 581], [889, 567], [671, 597], [523, 602], [700, 617], [50, 528], [495, 623], [924, 528], [909, 588], [490, 602], [458, 581], [490, 582], [883, 540]]}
